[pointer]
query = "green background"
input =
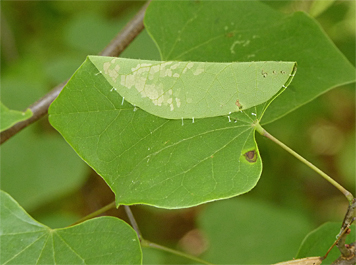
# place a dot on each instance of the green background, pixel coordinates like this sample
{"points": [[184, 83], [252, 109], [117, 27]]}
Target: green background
{"points": [[51, 45]]}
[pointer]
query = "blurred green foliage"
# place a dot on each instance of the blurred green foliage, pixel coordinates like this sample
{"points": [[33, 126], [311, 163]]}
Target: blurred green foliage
{"points": [[44, 42]]}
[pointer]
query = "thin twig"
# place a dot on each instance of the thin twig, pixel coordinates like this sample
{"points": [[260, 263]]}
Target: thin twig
{"points": [[340, 237], [146, 243], [115, 48], [345, 251], [96, 213], [39, 109], [347, 261], [133, 222], [127, 34], [349, 216], [347, 194]]}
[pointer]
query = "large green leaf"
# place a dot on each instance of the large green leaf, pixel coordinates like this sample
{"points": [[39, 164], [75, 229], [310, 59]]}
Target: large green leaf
{"points": [[103, 240], [176, 90], [317, 242], [150, 160], [10, 117], [230, 31]]}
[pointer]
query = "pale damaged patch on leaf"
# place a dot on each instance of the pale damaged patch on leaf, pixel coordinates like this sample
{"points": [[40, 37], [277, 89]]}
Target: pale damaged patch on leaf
{"points": [[147, 79], [176, 90]]}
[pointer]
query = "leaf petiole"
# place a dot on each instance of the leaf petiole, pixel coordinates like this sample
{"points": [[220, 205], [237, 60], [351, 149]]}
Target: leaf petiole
{"points": [[146, 243], [149, 244], [133, 222], [96, 213], [263, 132]]}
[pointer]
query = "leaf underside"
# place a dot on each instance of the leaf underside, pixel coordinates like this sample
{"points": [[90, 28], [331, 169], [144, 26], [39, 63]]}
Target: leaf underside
{"points": [[175, 90]]}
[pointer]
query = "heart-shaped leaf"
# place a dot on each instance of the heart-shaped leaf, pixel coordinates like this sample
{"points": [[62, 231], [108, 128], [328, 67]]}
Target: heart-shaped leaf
{"points": [[103, 240], [10, 117], [230, 31], [151, 160]]}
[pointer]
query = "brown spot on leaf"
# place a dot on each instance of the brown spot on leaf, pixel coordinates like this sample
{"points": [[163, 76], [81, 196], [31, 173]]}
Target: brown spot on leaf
{"points": [[230, 34], [237, 103], [251, 156]]}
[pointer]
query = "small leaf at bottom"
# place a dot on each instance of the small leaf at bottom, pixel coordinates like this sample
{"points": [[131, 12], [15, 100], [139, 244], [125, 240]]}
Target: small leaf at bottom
{"points": [[103, 240]]}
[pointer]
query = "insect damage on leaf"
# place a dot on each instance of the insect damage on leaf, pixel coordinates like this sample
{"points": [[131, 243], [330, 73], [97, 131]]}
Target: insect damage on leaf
{"points": [[251, 156], [237, 103], [175, 90]]}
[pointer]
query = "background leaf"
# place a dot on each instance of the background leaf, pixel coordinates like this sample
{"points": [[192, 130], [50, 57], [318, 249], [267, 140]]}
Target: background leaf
{"points": [[43, 49], [175, 90], [34, 174], [103, 240], [230, 31], [318, 7], [37, 166], [254, 232], [144, 158], [10, 117], [317, 242]]}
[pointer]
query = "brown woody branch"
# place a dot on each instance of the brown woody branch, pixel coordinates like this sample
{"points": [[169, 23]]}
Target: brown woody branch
{"points": [[114, 48], [348, 252], [351, 260]]}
